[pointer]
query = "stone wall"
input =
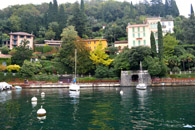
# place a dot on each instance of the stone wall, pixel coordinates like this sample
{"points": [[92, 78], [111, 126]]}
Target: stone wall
{"points": [[126, 78]]}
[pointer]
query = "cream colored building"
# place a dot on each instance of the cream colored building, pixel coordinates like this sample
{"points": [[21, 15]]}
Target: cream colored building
{"points": [[139, 34], [120, 45], [17, 38]]}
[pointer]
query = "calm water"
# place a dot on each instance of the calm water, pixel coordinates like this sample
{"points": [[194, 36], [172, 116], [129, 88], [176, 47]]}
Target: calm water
{"points": [[99, 109]]}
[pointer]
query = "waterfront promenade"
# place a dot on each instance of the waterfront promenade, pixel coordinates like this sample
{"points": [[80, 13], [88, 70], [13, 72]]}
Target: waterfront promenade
{"points": [[108, 83]]}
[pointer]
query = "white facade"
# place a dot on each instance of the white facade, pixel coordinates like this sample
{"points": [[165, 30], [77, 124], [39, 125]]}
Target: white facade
{"points": [[139, 34], [167, 26]]}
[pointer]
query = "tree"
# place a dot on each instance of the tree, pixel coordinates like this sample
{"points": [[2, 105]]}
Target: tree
{"points": [[192, 11], [153, 45], [170, 43], [160, 41], [189, 30], [173, 61], [79, 20], [4, 50], [138, 54], [174, 9], [22, 53], [30, 69], [50, 34], [62, 18], [98, 56], [121, 61]]}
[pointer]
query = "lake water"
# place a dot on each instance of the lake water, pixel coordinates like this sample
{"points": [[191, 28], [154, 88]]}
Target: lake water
{"points": [[99, 109]]}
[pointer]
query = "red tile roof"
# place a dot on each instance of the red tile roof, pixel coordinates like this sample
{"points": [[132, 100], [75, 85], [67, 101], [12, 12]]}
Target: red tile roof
{"points": [[5, 56], [21, 33]]}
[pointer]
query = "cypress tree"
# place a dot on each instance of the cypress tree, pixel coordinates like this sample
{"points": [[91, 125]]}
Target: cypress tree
{"points": [[153, 44], [82, 5], [174, 8], [50, 14], [192, 11], [55, 10], [62, 18], [160, 41]]}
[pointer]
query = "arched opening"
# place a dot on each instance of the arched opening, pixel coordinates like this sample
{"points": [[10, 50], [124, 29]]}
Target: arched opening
{"points": [[134, 78]]}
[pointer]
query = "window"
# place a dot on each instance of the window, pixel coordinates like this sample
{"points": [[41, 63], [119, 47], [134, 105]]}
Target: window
{"points": [[94, 42], [4, 63], [89, 47], [133, 29], [144, 29], [144, 42], [133, 43], [94, 47], [144, 34], [21, 41], [133, 34], [15, 37], [29, 37], [169, 23], [15, 41], [21, 36], [89, 42], [138, 29], [139, 42], [138, 35]]}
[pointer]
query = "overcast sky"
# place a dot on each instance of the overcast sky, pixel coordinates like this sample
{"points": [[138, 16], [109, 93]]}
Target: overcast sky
{"points": [[183, 5]]}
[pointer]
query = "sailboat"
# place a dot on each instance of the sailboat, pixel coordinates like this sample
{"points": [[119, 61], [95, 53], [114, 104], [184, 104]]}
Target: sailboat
{"points": [[74, 86], [141, 85]]}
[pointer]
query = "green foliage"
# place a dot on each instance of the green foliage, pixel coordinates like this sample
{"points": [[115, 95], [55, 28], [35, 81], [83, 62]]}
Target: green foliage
{"points": [[169, 43], [182, 76], [9, 77], [138, 54], [189, 30], [4, 50], [160, 42], [153, 45], [176, 69], [30, 69], [47, 48], [45, 77], [22, 53], [121, 61], [50, 34], [39, 49], [104, 72], [7, 60]]}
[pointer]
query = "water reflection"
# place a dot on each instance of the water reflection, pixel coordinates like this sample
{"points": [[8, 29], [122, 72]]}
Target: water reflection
{"points": [[5, 95], [34, 104], [142, 96]]}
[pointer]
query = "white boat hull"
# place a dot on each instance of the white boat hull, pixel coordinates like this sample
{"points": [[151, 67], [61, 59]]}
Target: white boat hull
{"points": [[74, 87], [141, 86]]}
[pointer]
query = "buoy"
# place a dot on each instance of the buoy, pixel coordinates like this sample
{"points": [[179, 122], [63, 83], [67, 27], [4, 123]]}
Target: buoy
{"points": [[121, 92], [42, 93], [41, 112], [34, 99]]}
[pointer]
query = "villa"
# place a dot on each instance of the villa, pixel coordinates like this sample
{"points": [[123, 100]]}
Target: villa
{"points": [[93, 43]]}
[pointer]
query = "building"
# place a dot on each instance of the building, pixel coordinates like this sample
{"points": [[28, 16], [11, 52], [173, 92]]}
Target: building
{"points": [[139, 34], [5, 59], [17, 38], [52, 42], [120, 45], [93, 43]]}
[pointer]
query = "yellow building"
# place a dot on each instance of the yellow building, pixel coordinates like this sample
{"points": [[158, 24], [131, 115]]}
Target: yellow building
{"points": [[93, 43]]}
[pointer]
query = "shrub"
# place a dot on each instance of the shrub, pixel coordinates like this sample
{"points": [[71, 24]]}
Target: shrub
{"points": [[176, 69], [45, 77], [13, 68], [5, 50], [47, 48], [2, 68]]}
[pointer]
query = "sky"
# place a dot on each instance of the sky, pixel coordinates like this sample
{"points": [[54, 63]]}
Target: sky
{"points": [[183, 5]]}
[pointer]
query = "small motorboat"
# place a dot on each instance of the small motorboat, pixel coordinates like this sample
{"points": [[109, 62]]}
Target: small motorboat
{"points": [[18, 87]]}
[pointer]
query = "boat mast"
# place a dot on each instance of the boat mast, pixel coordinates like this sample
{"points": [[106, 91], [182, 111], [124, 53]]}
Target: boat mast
{"points": [[75, 63]]}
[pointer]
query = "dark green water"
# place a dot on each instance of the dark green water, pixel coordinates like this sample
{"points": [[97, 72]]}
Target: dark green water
{"points": [[100, 109]]}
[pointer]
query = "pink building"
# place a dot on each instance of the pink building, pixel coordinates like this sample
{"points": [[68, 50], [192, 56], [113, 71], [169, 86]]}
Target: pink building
{"points": [[17, 38]]}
